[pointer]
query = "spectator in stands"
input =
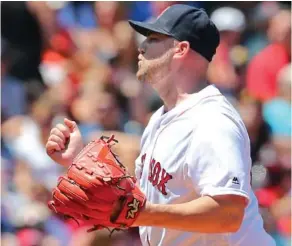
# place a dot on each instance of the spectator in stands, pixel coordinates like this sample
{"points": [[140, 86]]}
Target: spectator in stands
{"points": [[230, 23], [277, 112], [75, 15], [259, 17], [258, 130], [264, 67], [104, 113], [25, 136], [27, 27], [13, 91]]}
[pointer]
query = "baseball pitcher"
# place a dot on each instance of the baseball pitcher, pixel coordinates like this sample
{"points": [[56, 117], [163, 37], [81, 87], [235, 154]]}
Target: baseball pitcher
{"points": [[193, 183]]}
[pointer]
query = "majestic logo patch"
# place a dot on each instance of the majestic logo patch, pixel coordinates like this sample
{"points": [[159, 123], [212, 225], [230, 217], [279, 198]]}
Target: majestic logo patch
{"points": [[134, 205], [235, 181]]}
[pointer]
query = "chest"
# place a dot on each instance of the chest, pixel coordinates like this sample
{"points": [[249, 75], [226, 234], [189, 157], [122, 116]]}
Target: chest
{"points": [[163, 175]]}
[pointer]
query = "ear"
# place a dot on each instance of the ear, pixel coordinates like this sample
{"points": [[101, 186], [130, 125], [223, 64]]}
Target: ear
{"points": [[181, 50]]}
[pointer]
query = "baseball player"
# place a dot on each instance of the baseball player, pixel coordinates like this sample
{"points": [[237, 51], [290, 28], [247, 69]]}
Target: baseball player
{"points": [[194, 167]]}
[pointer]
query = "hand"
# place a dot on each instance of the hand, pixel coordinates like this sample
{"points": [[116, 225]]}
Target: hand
{"points": [[64, 142]]}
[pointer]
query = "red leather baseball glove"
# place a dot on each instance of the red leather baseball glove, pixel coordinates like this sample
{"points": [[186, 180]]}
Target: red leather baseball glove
{"points": [[97, 189]]}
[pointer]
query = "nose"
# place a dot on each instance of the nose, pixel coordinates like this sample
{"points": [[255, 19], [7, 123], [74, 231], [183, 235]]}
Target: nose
{"points": [[141, 48]]}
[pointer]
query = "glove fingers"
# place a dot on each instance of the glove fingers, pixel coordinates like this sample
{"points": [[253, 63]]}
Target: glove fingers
{"points": [[61, 209], [85, 219], [63, 200], [93, 203], [99, 205], [84, 177], [90, 184], [72, 190], [66, 204], [80, 196], [93, 183]]}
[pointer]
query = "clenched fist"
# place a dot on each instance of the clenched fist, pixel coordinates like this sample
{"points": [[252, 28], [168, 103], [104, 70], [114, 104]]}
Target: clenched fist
{"points": [[64, 142]]}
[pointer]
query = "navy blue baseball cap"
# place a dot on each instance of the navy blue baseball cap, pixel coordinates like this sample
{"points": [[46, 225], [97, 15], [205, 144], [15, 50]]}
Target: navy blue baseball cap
{"points": [[184, 23]]}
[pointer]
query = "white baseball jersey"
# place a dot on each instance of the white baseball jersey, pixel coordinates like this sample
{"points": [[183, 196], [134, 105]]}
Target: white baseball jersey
{"points": [[200, 147]]}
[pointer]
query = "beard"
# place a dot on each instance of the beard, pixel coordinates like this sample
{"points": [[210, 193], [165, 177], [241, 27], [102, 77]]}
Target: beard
{"points": [[151, 71], [142, 73]]}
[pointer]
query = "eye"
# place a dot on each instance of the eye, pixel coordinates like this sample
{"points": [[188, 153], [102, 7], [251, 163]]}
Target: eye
{"points": [[152, 39]]}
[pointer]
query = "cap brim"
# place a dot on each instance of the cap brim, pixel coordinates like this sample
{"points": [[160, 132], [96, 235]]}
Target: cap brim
{"points": [[146, 28]]}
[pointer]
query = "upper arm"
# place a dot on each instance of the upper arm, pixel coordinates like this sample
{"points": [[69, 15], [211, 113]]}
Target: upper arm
{"points": [[218, 158], [232, 207], [238, 202]]}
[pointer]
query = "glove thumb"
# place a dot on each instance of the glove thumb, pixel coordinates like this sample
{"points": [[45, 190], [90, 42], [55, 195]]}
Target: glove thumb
{"points": [[71, 125]]}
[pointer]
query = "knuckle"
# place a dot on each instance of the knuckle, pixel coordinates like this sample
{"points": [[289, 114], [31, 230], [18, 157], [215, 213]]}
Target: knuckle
{"points": [[61, 135], [49, 145], [53, 131], [54, 138], [58, 133], [64, 131], [58, 139], [61, 127]]}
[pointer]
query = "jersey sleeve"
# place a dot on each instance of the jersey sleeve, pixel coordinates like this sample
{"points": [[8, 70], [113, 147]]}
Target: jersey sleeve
{"points": [[218, 158]]}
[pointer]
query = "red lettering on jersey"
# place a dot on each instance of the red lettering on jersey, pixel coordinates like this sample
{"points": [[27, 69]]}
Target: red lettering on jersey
{"points": [[156, 173], [143, 159], [154, 177], [143, 162], [150, 177], [164, 178]]}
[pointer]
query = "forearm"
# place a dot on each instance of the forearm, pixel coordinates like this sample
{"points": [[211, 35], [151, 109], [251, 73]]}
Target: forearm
{"points": [[204, 215]]}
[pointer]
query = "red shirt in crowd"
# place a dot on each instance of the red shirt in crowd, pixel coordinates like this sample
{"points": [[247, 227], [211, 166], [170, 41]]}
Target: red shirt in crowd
{"points": [[263, 70]]}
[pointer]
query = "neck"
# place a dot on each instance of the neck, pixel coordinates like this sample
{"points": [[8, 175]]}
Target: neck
{"points": [[173, 93]]}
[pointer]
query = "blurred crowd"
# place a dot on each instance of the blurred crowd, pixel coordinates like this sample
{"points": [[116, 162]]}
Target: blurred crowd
{"points": [[78, 60]]}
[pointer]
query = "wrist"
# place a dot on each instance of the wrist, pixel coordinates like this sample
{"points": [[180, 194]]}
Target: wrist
{"points": [[144, 215]]}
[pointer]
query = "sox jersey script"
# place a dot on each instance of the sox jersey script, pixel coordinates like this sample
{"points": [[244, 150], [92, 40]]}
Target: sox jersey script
{"points": [[200, 147]]}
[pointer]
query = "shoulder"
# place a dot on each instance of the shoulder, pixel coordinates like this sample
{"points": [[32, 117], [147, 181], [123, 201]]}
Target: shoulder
{"points": [[214, 106], [218, 136], [216, 117]]}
